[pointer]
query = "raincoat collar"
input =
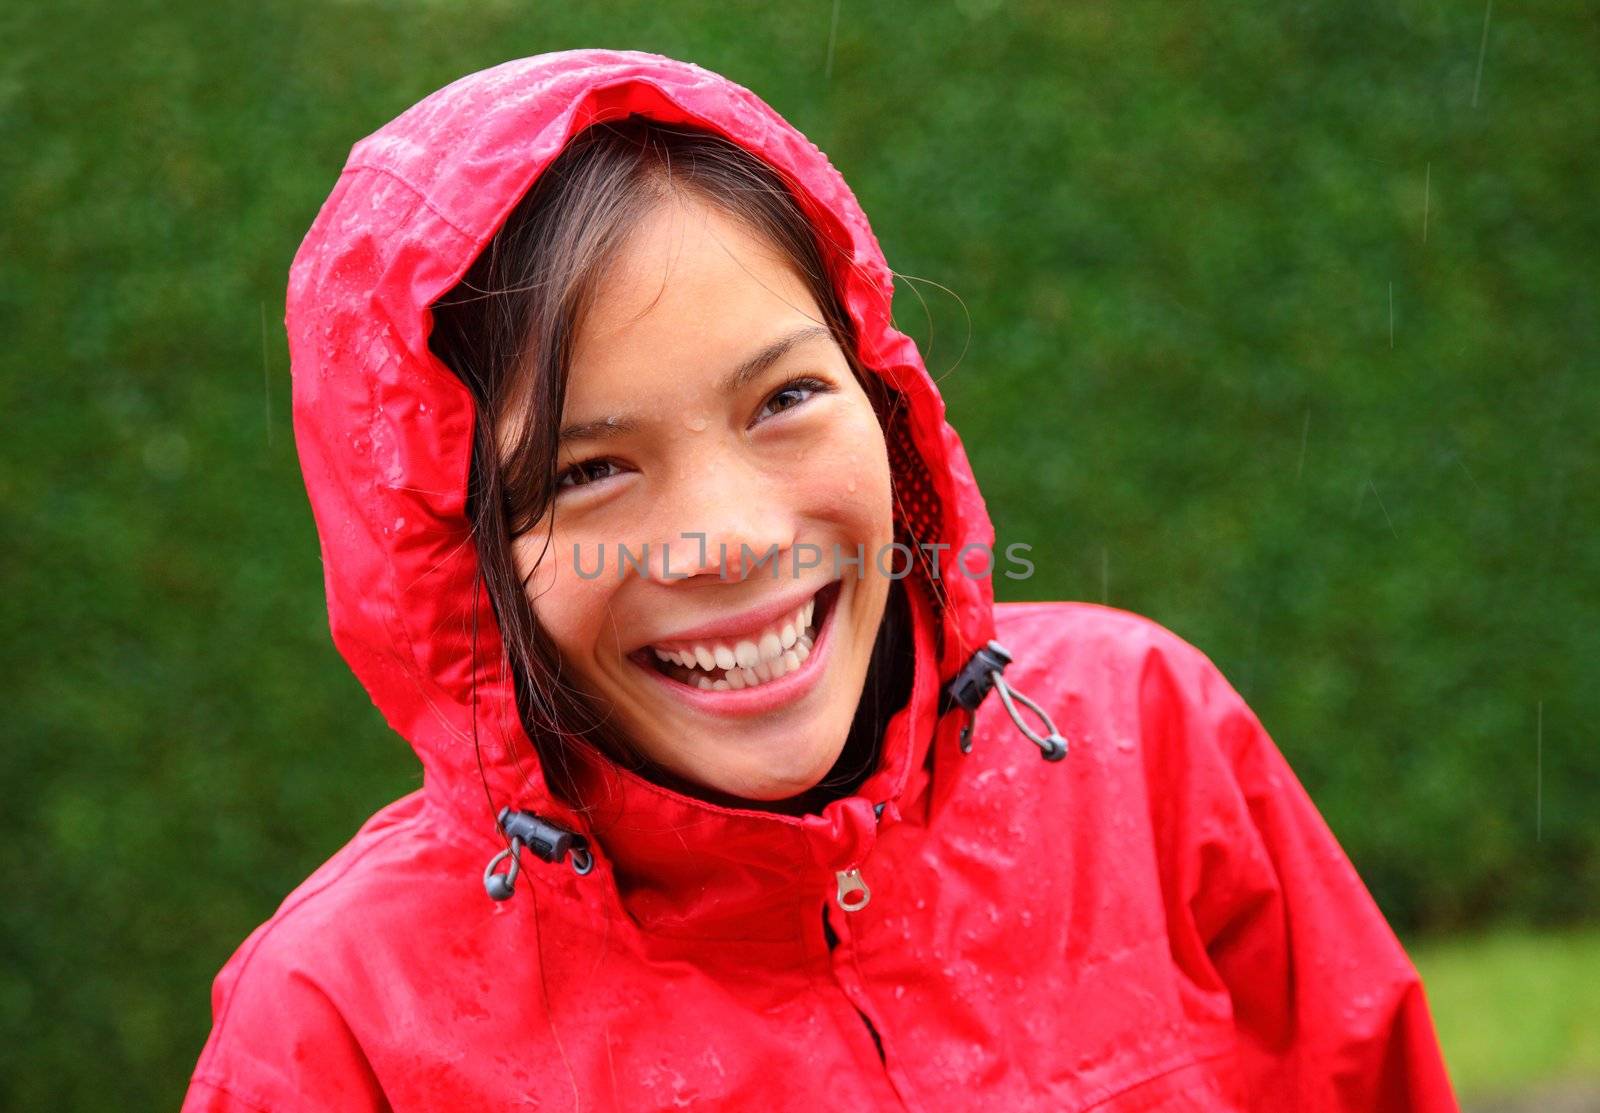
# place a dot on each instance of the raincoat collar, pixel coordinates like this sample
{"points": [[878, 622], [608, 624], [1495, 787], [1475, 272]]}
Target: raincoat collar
{"points": [[384, 433]]}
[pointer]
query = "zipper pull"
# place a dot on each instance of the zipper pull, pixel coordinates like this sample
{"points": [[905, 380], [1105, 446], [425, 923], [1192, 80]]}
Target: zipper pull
{"points": [[853, 892]]}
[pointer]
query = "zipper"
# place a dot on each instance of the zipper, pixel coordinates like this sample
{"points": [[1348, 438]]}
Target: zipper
{"points": [[853, 893], [832, 940]]}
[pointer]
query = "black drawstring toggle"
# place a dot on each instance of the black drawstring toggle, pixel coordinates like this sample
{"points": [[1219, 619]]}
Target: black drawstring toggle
{"points": [[968, 687], [545, 839]]}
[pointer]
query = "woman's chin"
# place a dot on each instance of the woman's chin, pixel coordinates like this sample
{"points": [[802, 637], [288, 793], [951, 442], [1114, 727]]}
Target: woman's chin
{"points": [[775, 776], [771, 792]]}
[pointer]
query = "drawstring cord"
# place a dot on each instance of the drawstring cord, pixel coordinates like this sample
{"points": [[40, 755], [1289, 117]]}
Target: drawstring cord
{"points": [[545, 839], [968, 687]]}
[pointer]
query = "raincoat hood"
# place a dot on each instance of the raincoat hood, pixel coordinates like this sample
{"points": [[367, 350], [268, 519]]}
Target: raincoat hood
{"points": [[384, 431]]}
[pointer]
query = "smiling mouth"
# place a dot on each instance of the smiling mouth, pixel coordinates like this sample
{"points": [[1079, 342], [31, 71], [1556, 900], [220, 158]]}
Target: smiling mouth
{"points": [[749, 662]]}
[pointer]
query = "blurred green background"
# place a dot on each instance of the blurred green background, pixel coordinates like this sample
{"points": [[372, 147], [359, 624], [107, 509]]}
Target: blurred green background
{"points": [[1275, 324]]}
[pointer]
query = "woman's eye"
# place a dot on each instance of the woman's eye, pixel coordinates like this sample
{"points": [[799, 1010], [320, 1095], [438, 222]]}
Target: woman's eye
{"points": [[589, 471], [792, 393]]}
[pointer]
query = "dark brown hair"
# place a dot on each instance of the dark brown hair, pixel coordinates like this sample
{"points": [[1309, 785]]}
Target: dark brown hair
{"points": [[507, 330]]}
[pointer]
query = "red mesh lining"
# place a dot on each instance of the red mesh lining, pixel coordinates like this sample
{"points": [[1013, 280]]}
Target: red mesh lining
{"points": [[918, 516]]}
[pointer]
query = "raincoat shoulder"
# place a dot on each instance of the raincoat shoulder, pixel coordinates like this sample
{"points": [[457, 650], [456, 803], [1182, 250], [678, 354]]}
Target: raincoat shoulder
{"points": [[294, 1023], [1260, 911], [378, 974]]}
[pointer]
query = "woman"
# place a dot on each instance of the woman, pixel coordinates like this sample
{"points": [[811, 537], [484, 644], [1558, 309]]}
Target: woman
{"points": [[643, 525]]}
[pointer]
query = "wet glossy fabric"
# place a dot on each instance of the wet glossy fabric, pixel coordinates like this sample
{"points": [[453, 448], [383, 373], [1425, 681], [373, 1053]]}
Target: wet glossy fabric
{"points": [[1161, 921]]}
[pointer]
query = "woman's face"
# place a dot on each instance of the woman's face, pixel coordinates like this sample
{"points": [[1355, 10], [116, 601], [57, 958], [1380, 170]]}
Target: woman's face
{"points": [[707, 399]]}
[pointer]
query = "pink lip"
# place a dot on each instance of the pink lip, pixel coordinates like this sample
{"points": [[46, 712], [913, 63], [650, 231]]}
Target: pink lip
{"points": [[743, 624], [787, 689]]}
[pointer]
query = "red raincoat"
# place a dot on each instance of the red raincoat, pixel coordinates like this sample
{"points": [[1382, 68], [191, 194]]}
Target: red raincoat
{"points": [[1161, 920]]}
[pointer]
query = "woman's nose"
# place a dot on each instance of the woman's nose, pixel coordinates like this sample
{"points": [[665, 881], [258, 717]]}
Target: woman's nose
{"points": [[723, 518]]}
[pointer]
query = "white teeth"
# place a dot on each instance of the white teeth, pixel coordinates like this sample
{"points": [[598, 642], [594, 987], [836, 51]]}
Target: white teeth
{"points": [[776, 651]]}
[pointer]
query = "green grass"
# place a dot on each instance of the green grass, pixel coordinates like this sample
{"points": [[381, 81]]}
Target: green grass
{"points": [[1515, 1008]]}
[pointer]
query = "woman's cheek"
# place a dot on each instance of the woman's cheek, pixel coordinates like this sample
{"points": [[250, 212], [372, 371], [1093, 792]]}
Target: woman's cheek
{"points": [[849, 476], [567, 596]]}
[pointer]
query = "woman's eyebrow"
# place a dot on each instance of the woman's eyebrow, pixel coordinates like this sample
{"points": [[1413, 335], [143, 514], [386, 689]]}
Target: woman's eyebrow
{"points": [[772, 353], [599, 430], [748, 369]]}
